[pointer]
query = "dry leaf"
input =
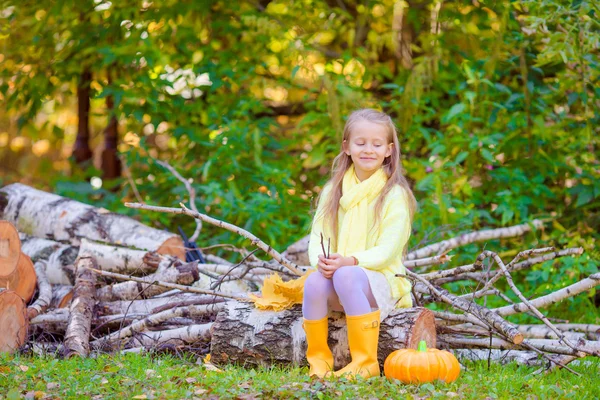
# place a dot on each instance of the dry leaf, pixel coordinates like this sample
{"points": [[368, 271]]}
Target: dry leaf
{"points": [[200, 392], [104, 381], [190, 380], [140, 396], [23, 368], [52, 385]]}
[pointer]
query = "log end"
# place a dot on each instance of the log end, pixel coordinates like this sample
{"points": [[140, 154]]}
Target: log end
{"points": [[173, 246], [13, 321], [23, 280], [423, 329], [10, 248]]}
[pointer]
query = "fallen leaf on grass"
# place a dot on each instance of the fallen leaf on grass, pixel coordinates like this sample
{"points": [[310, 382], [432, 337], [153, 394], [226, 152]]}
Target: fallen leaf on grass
{"points": [[23, 368], [200, 391], [52, 385], [140, 396], [190, 380]]}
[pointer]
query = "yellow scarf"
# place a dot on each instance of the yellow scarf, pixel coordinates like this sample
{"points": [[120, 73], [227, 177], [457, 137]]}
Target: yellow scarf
{"points": [[355, 202], [278, 295]]}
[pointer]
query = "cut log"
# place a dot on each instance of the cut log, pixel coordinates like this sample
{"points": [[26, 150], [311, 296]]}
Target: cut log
{"points": [[44, 297], [13, 321], [22, 280], [244, 335], [179, 273], [59, 258], [120, 259], [80, 319], [10, 248], [50, 216]]}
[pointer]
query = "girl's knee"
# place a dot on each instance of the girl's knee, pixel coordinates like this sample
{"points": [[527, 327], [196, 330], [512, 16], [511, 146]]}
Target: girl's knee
{"points": [[317, 284], [347, 276]]}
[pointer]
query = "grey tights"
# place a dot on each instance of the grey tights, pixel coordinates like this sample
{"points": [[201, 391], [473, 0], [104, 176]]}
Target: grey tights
{"points": [[348, 290]]}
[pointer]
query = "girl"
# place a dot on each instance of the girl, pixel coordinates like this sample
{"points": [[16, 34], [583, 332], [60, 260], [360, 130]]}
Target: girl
{"points": [[365, 211]]}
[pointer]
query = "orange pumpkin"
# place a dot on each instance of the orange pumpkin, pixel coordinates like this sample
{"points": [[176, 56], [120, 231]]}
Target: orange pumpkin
{"points": [[421, 365]]}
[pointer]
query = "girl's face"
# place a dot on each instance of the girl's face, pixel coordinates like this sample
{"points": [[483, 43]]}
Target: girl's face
{"points": [[368, 146]]}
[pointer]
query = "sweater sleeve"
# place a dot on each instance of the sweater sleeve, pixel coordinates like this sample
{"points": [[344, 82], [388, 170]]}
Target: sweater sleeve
{"points": [[393, 235], [314, 245]]}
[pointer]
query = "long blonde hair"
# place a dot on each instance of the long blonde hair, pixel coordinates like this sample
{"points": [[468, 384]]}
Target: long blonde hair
{"points": [[391, 165]]}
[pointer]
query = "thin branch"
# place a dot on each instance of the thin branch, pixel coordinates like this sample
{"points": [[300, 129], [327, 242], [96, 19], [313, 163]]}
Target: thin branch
{"points": [[191, 192], [299, 271]]}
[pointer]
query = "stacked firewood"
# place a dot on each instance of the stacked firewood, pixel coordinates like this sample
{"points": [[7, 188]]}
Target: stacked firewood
{"points": [[106, 282]]}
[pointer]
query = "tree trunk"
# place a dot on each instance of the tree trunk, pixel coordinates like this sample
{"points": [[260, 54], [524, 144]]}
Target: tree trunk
{"points": [[50, 216], [81, 149], [23, 280], [77, 337], [111, 165], [13, 321], [242, 334]]}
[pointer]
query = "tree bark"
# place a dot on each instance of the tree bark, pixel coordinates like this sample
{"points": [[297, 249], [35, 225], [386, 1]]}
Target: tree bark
{"points": [[244, 335], [82, 307], [13, 321], [53, 217]]}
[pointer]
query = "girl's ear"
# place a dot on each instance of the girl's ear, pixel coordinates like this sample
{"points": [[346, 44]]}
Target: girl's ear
{"points": [[389, 150], [345, 147]]}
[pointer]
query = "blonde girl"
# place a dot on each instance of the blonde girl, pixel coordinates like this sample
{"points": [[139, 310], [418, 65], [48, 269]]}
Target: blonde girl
{"points": [[365, 211]]}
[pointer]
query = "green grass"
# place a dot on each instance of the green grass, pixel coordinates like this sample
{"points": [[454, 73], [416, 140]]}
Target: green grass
{"points": [[145, 376]]}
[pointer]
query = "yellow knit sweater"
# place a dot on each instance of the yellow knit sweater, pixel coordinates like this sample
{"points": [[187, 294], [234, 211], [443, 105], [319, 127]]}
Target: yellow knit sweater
{"points": [[384, 242]]}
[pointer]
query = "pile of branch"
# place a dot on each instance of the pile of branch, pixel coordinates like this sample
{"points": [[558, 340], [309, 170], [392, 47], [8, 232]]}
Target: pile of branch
{"points": [[129, 299]]}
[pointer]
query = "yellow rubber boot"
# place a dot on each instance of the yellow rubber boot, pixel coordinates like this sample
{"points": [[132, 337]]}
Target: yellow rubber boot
{"points": [[363, 339], [318, 354]]}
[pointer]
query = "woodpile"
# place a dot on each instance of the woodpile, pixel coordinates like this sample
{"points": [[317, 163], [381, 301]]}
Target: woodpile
{"points": [[107, 283]]}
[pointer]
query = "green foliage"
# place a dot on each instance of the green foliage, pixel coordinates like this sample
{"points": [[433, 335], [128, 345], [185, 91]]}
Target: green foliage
{"points": [[498, 109], [148, 376]]}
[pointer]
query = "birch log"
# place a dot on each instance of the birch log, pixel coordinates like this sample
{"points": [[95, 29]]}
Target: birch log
{"points": [[59, 258], [10, 248], [13, 321], [173, 337], [50, 216], [154, 305], [77, 336], [179, 273], [120, 259], [244, 335]]}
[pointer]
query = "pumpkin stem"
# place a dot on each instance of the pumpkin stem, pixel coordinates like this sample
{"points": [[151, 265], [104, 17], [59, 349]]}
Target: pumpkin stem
{"points": [[422, 346]]}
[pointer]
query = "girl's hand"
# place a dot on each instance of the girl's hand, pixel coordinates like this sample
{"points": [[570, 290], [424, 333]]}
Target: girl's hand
{"points": [[328, 266]]}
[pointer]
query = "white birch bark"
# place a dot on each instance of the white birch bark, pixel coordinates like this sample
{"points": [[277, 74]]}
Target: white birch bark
{"points": [[50, 216]]}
